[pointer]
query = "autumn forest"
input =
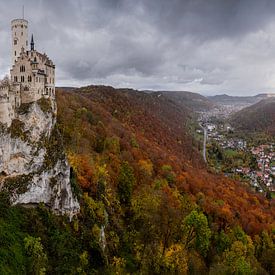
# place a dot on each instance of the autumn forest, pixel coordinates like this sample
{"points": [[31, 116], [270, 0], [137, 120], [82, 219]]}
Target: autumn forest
{"points": [[149, 204]]}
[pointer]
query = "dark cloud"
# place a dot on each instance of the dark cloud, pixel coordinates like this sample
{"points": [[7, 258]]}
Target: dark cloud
{"points": [[209, 19], [209, 46]]}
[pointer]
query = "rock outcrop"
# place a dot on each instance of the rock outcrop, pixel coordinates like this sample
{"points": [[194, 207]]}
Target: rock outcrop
{"points": [[33, 165]]}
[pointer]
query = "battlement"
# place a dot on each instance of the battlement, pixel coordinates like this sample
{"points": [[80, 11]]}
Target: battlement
{"points": [[4, 87]]}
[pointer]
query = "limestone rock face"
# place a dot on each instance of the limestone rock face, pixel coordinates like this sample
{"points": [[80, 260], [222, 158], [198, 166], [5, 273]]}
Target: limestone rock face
{"points": [[33, 165]]}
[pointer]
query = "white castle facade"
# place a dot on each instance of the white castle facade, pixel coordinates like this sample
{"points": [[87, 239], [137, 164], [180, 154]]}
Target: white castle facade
{"points": [[32, 75]]}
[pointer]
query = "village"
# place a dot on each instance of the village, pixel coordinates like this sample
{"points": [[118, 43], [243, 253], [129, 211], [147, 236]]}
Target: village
{"points": [[238, 158]]}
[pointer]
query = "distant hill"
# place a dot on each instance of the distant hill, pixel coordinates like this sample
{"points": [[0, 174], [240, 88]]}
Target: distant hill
{"points": [[259, 117], [66, 88], [229, 100], [193, 101]]}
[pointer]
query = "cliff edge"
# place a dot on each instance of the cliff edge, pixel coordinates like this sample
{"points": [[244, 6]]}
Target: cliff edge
{"points": [[33, 165]]}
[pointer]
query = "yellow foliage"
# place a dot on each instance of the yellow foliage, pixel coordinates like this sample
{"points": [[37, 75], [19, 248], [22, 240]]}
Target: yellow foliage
{"points": [[101, 172], [146, 166], [118, 265], [175, 259]]}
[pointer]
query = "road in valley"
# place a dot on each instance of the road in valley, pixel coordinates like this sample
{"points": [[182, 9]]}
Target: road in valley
{"points": [[204, 143]]}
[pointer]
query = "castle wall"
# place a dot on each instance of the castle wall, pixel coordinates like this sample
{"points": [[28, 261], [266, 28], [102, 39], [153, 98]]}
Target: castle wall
{"points": [[15, 96], [6, 112], [32, 83], [31, 95], [4, 91]]}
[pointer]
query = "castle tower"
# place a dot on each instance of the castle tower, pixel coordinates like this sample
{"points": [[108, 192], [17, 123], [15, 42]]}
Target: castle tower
{"points": [[19, 29]]}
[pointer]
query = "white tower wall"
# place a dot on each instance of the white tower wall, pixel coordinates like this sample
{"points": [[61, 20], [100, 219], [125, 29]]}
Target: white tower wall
{"points": [[19, 29]]}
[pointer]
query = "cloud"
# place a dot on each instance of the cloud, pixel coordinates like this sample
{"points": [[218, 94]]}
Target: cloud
{"points": [[203, 46]]}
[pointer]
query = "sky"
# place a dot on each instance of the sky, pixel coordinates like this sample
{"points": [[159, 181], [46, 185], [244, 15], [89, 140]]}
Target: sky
{"points": [[205, 46]]}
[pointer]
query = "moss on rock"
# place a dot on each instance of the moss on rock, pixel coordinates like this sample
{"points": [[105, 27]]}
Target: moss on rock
{"points": [[54, 150], [18, 184], [45, 105], [17, 130], [24, 108]]}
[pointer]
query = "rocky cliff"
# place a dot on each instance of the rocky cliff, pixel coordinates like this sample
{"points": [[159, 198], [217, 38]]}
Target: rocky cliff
{"points": [[33, 166]]}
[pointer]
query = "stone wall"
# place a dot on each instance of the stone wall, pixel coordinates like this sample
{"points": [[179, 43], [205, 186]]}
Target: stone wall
{"points": [[6, 113]]}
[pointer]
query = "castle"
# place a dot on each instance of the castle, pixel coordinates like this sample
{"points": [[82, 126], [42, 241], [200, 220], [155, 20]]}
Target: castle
{"points": [[32, 75]]}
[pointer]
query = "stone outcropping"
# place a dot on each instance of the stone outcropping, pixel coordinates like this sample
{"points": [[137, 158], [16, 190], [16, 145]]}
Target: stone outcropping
{"points": [[33, 165]]}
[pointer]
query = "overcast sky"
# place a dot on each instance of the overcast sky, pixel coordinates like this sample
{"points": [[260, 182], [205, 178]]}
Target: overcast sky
{"points": [[206, 46]]}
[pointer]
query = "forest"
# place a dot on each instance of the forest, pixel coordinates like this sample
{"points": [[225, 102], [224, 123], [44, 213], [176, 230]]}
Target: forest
{"points": [[149, 204], [259, 118]]}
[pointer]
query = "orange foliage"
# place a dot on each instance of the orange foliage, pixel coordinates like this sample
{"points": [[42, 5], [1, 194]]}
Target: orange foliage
{"points": [[82, 167], [157, 125]]}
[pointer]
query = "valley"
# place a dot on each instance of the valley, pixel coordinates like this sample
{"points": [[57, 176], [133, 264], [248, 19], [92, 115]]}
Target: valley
{"points": [[247, 157]]}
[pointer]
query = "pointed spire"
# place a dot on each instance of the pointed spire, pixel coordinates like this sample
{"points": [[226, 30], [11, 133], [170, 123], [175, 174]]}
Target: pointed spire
{"points": [[32, 44]]}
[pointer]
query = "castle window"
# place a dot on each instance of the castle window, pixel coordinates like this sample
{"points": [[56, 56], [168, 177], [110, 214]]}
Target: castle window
{"points": [[15, 42], [15, 53], [29, 78], [15, 79], [22, 78]]}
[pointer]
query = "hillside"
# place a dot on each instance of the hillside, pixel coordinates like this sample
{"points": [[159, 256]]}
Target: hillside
{"points": [[105, 127], [259, 117], [148, 203], [193, 101]]}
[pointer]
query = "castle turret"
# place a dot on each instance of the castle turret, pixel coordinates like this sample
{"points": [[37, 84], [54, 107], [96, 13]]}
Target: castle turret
{"points": [[19, 28], [32, 44]]}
